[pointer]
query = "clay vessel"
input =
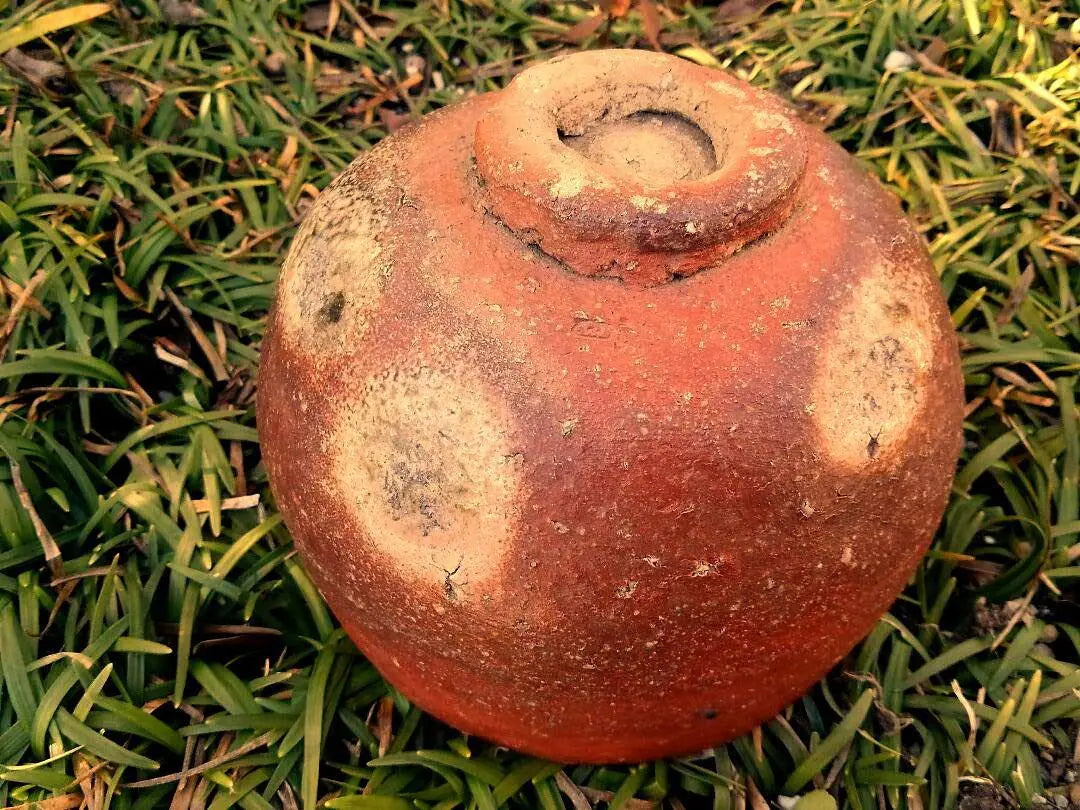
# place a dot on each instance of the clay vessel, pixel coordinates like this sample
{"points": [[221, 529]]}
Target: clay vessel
{"points": [[609, 411]]}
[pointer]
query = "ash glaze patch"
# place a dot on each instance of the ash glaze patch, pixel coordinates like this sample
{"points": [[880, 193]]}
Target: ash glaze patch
{"points": [[427, 463], [642, 203], [567, 186], [337, 267], [728, 89], [869, 387], [766, 119]]}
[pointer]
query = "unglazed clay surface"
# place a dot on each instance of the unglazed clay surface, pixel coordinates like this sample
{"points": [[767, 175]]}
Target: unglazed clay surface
{"points": [[611, 410]]}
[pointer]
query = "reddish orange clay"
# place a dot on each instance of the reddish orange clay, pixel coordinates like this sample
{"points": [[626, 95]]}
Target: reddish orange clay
{"points": [[609, 411]]}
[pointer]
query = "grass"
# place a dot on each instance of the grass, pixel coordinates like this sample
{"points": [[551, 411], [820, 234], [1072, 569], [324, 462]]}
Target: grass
{"points": [[159, 641]]}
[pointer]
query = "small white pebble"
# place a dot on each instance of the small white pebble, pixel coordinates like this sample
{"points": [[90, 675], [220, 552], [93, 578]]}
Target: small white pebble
{"points": [[898, 61]]}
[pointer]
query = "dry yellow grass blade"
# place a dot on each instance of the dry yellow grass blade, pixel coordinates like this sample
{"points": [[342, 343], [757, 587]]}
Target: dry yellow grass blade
{"points": [[47, 23]]}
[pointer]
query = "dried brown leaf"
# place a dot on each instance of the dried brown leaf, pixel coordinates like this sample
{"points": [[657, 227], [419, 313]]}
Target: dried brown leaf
{"points": [[182, 12], [732, 9], [22, 301], [216, 762], [935, 50], [68, 801], [650, 21], [1016, 296], [572, 791], [392, 121], [384, 721], [48, 545], [1006, 128], [36, 71], [583, 30]]}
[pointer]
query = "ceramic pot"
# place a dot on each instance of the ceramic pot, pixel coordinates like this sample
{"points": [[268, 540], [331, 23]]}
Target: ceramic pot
{"points": [[609, 411]]}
